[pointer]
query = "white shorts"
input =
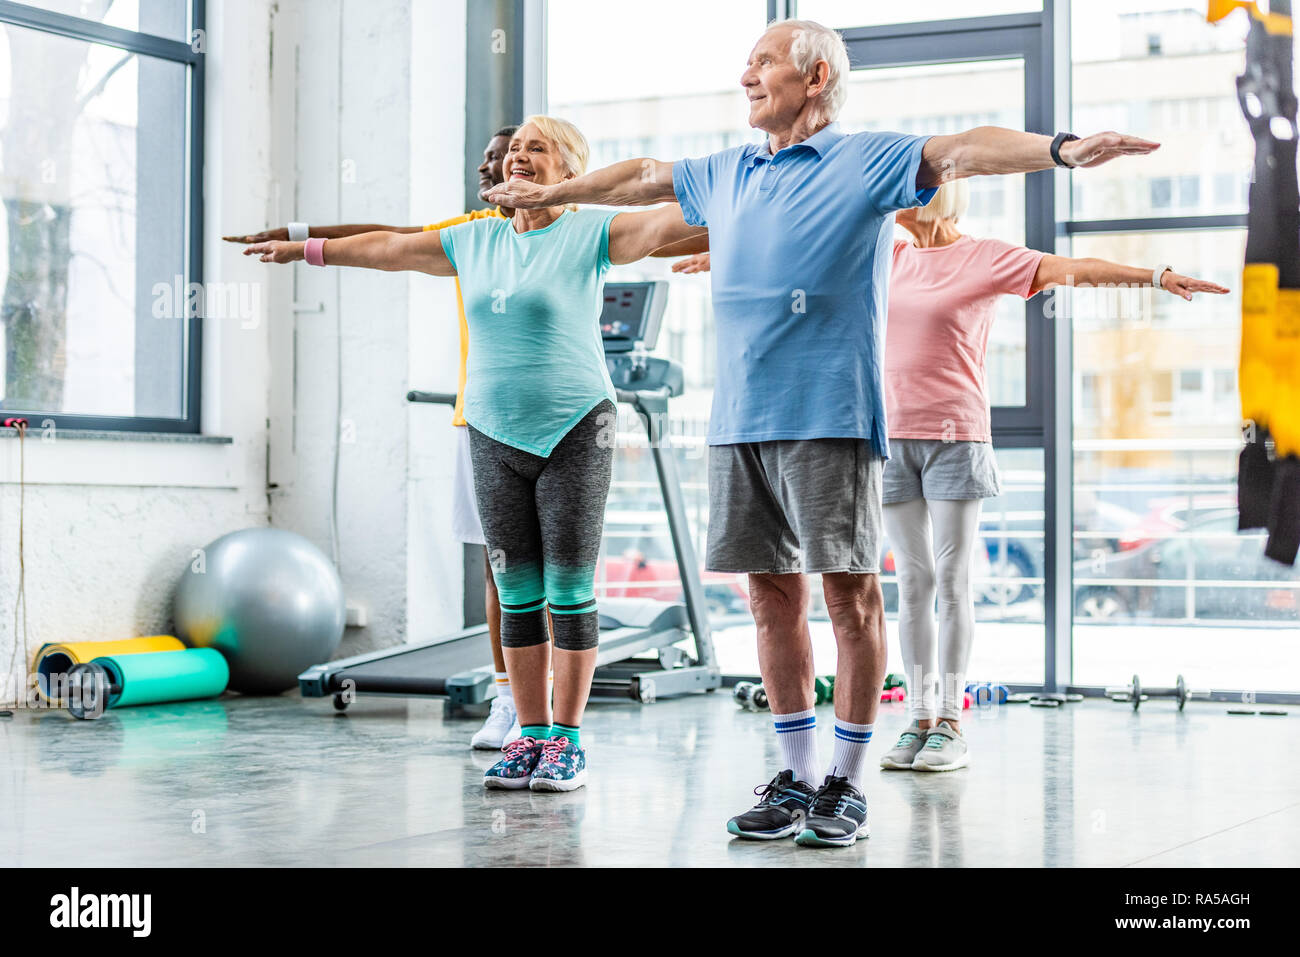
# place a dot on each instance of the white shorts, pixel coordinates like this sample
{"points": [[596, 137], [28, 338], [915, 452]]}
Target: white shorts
{"points": [[465, 523]]}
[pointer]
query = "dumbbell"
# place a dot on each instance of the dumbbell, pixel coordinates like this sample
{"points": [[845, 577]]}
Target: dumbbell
{"points": [[894, 681], [91, 688], [1135, 693], [985, 693], [750, 696], [896, 693], [824, 690]]}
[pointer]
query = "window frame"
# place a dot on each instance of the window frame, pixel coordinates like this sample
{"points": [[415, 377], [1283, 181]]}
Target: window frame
{"points": [[176, 51]]}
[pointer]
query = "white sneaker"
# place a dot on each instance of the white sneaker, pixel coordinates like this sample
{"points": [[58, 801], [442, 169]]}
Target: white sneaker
{"points": [[944, 750], [901, 756], [500, 728]]}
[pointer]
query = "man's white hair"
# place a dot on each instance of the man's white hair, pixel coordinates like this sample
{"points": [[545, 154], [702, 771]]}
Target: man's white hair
{"points": [[812, 42]]}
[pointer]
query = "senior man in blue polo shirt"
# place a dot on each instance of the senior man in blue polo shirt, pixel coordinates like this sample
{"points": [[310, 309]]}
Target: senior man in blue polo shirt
{"points": [[800, 230]]}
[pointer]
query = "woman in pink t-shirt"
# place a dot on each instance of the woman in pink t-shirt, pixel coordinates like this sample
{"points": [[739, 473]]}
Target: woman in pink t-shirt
{"points": [[943, 294]]}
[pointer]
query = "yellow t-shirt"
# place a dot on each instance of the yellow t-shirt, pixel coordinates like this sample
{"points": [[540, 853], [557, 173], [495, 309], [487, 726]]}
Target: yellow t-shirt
{"points": [[458, 415]]}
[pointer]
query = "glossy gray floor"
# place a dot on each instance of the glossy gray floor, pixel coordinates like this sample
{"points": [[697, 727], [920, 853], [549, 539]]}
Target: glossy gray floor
{"points": [[286, 781]]}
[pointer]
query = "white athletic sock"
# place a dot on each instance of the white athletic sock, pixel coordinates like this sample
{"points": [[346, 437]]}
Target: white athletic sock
{"points": [[797, 734], [851, 742], [504, 691]]}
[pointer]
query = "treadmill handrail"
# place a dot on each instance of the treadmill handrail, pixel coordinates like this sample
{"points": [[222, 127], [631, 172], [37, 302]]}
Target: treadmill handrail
{"points": [[632, 398], [438, 398]]}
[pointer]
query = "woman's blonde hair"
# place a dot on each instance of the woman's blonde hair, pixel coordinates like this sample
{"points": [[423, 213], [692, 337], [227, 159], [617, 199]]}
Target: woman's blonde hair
{"points": [[950, 202], [567, 139]]}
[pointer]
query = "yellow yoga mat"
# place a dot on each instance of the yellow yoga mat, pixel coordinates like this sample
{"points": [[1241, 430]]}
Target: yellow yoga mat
{"points": [[58, 659]]}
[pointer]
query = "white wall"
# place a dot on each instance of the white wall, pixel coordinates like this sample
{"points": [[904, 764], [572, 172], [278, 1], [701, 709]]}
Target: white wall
{"points": [[372, 94], [357, 114]]}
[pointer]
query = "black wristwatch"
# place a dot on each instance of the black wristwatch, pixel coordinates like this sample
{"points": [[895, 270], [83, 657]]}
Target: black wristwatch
{"points": [[1056, 148]]}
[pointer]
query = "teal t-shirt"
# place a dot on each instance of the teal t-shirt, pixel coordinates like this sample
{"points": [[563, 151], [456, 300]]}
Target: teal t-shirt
{"points": [[536, 362]]}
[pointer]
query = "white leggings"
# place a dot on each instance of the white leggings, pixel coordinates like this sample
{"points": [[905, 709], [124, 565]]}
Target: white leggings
{"points": [[924, 570]]}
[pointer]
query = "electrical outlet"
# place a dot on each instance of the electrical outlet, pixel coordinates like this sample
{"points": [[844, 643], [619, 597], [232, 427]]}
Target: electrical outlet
{"points": [[357, 615]]}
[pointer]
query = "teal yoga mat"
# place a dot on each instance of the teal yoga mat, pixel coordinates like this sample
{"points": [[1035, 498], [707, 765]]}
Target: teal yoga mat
{"points": [[165, 676]]}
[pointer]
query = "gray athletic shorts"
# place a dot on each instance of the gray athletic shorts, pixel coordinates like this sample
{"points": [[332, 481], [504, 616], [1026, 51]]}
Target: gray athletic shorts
{"points": [[932, 468], [794, 505]]}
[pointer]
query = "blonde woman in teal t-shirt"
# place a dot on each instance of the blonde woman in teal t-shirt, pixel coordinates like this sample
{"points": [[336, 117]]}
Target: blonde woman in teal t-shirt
{"points": [[540, 409]]}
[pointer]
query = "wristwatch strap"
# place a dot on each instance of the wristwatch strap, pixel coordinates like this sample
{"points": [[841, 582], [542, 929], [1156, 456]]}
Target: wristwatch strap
{"points": [[1056, 148]]}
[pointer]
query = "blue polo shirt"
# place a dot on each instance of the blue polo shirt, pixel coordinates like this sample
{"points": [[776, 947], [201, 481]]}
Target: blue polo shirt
{"points": [[801, 244]]}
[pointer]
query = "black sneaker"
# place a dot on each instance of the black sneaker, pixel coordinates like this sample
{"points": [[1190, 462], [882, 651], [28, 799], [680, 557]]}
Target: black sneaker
{"points": [[781, 809], [837, 816]]}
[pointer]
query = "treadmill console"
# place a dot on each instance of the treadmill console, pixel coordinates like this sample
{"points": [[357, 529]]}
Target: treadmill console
{"points": [[629, 326], [632, 314]]}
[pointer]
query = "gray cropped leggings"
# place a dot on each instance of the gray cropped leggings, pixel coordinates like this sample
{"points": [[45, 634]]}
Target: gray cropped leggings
{"points": [[542, 521]]}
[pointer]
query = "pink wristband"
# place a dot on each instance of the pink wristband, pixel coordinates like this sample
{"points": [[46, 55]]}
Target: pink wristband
{"points": [[314, 252]]}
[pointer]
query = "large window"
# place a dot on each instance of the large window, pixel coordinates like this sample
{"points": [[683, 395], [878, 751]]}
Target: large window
{"points": [[949, 98], [673, 93], [1158, 69], [99, 243], [1128, 559], [1163, 581], [1162, 571]]}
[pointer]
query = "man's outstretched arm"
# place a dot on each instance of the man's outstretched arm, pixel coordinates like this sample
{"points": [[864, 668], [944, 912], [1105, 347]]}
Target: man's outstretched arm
{"points": [[634, 182], [281, 233], [994, 151]]}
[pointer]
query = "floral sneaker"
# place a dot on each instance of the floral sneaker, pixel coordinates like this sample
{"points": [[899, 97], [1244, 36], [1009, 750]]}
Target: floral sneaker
{"points": [[563, 767], [516, 768]]}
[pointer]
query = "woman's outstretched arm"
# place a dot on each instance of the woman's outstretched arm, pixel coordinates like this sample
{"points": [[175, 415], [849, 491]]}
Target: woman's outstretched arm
{"points": [[634, 236], [392, 252], [1062, 271]]}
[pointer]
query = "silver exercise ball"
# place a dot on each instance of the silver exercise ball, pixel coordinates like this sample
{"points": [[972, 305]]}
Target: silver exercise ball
{"points": [[267, 599]]}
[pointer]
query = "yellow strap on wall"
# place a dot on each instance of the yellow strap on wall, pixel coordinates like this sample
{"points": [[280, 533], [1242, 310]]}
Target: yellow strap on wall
{"points": [[1284, 415], [1218, 9], [1274, 23], [1259, 298]]}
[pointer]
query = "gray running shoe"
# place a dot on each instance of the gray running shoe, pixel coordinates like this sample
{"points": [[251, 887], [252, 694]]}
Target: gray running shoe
{"points": [[944, 750], [904, 752]]}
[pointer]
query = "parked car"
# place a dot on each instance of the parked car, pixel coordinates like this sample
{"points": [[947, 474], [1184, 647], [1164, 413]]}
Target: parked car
{"points": [[1170, 514], [641, 564], [1208, 570], [1100, 527]]}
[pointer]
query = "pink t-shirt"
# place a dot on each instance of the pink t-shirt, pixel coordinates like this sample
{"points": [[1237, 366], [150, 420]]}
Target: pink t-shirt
{"points": [[942, 301]]}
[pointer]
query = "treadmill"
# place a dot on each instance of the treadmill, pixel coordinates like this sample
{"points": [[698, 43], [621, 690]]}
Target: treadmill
{"points": [[640, 653]]}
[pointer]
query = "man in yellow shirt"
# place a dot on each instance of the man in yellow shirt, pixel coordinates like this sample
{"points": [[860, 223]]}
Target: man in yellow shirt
{"points": [[501, 726]]}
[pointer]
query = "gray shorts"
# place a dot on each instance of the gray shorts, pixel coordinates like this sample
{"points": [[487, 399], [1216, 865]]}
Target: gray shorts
{"points": [[794, 505], [932, 468]]}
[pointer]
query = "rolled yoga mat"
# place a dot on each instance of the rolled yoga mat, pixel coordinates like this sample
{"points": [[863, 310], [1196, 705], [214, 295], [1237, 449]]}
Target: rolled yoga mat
{"points": [[117, 681], [58, 658]]}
